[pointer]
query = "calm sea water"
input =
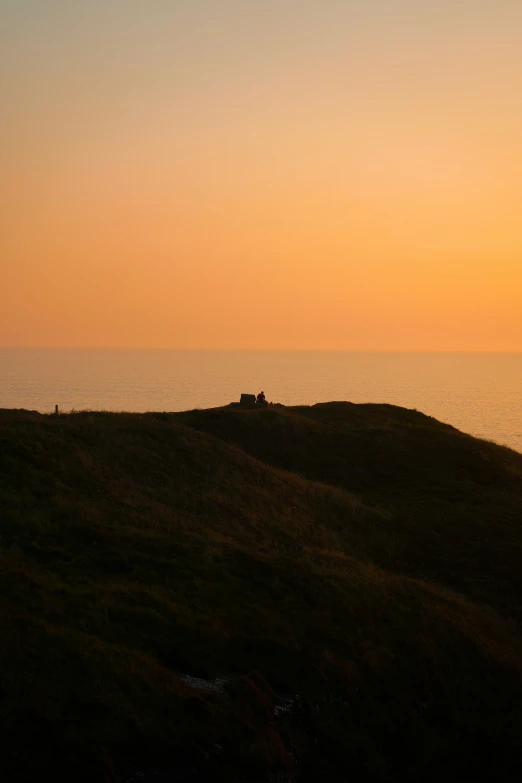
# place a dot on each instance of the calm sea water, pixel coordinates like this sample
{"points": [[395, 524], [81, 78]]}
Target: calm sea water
{"points": [[478, 393]]}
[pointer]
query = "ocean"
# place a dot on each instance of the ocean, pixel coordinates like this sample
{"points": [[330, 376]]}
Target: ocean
{"points": [[480, 393]]}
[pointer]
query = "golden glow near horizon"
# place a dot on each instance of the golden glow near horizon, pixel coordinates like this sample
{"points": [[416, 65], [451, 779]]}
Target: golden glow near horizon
{"points": [[261, 174]]}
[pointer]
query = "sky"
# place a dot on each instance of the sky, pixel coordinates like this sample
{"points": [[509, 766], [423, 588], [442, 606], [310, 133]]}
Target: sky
{"points": [[309, 174]]}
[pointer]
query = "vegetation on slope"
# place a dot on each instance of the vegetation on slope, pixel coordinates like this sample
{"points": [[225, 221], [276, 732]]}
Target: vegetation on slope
{"points": [[349, 571]]}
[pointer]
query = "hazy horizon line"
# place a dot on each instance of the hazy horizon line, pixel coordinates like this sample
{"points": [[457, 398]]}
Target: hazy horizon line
{"points": [[262, 350]]}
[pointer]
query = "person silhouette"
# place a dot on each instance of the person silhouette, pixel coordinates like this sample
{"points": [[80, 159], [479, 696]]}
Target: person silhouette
{"points": [[261, 399]]}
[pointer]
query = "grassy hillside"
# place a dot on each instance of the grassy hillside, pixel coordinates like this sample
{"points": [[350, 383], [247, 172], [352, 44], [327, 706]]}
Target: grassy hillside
{"points": [[455, 501], [350, 574]]}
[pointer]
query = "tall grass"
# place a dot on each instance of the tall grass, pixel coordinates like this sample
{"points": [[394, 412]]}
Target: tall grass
{"points": [[358, 563]]}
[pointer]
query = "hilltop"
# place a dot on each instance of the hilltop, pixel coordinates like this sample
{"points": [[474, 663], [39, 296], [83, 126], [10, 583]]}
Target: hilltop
{"points": [[323, 593]]}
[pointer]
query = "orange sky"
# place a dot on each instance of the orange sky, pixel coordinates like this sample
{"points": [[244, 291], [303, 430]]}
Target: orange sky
{"points": [[262, 174]]}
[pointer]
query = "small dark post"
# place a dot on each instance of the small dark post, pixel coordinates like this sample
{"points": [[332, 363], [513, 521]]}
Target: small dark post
{"points": [[56, 410]]}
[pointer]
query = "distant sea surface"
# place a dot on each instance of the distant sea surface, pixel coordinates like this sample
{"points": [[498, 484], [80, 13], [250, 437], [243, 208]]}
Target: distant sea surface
{"points": [[480, 393]]}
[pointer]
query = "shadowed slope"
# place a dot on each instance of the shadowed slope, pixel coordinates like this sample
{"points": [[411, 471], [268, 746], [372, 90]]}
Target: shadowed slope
{"points": [[454, 502], [135, 548]]}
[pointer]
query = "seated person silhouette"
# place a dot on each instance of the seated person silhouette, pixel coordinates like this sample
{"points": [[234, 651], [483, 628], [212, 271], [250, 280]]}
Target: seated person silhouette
{"points": [[261, 399]]}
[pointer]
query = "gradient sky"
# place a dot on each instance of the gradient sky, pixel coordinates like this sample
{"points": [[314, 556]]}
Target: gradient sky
{"points": [[261, 173]]}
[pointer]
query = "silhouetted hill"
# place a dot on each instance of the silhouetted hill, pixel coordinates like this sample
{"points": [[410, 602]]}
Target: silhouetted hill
{"points": [[343, 579], [447, 493]]}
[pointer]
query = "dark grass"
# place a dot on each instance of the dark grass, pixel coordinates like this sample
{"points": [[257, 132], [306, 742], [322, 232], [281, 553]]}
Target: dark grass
{"points": [[364, 558]]}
